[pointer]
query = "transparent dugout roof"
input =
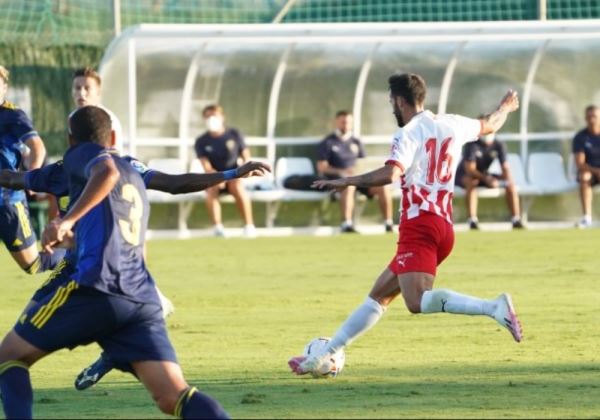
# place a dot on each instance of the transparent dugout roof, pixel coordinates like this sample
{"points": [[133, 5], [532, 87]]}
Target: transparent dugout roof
{"points": [[287, 81]]}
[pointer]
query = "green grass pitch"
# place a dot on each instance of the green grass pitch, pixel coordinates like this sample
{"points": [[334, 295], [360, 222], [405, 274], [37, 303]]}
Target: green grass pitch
{"points": [[245, 306]]}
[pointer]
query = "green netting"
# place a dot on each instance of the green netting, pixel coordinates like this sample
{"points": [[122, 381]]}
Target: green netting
{"points": [[411, 10], [90, 22]]}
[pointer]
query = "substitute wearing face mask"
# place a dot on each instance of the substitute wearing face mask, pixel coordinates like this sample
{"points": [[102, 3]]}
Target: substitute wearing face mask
{"points": [[474, 171], [222, 148]]}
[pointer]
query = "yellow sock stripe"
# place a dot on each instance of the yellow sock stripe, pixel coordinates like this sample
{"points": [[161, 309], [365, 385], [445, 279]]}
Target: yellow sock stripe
{"points": [[57, 304], [12, 364], [23, 220], [185, 396], [34, 267]]}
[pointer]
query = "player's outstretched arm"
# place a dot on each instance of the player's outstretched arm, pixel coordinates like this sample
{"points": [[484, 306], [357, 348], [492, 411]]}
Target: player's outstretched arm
{"points": [[383, 176], [12, 180], [187, 183], [103, 178], [494, 121]]}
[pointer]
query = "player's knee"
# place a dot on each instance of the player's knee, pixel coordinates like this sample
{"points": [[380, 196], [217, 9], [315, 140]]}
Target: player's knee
{"points": [[585, 177], [166, 403], [413, 306]]}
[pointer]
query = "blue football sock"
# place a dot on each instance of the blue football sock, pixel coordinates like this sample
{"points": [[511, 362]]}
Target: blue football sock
{"points": [[195, 405], [15, 389]]}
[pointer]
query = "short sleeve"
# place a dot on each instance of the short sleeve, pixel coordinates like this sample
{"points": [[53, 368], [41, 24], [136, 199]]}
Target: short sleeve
{"points": [[323, 150], [361, 149], [501, 148], [199, 147], [145, 172], [579, 143], [403, 151], [470, 152], [21, 126], [240, 140], [79, 160], [465, 129], [49, 179]]}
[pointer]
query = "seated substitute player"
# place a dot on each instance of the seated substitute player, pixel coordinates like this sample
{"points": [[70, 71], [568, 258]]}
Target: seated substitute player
{"points": [[425, 151], [473, 172], [17, 134], [337, 156], [52, 179], [586, 151], [222, 148], [111, 298]]}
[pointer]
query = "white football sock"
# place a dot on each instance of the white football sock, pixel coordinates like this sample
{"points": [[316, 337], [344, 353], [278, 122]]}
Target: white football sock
{"points": [[444, 300], [361, 320]]}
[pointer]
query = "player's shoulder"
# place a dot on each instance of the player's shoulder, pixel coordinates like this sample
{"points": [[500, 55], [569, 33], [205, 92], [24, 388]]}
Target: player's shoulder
{"points": [[9, 110], [581, 135], [203, 138], [234, 132], [136, 164]]}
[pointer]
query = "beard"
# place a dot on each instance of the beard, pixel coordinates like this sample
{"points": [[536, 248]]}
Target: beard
{"points": [[398, 115]]}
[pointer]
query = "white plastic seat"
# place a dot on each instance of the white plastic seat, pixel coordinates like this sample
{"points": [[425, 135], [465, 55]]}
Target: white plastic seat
{"points": [[518, 174], [546, 171]]}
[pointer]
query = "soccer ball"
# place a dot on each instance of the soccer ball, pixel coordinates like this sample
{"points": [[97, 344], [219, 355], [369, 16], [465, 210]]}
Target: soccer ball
{"points": [[333, 366]]}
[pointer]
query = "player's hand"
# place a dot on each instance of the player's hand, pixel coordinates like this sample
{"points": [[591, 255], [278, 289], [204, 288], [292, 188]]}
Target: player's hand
{"points": [[510, 102], [252, 168], [333, 184], [55, 232], [491, 182]]}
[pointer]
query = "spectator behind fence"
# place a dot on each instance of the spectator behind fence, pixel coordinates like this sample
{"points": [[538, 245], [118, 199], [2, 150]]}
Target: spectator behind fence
{"points": [[586, 150], [222, 148], [337, 157], [473, 172]]}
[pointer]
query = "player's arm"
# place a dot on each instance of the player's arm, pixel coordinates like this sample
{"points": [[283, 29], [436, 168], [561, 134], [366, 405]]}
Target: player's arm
{"points": [[324, 168], [103, 177], [206, 165], [37, 153], [382, 176], [190, 182], [245, 155], [494, 121], [12, 180], [582, 166]]}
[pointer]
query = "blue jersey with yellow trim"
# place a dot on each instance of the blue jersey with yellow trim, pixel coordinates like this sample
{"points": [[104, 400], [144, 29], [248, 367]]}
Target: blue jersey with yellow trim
{"points": [[15, 129], [110, 237], [52, 179]]}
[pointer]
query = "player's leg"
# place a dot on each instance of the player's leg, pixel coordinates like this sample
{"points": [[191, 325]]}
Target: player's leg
{"points": [[214, 209], [514, 205], [20, 240], [384, 291], [165, 382], [470, 185], [244, 205], [585, 193], [347, 209], [16, 357], [418, 274], [384, 199]]}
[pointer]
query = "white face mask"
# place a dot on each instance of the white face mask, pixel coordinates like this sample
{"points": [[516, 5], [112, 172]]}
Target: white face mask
{"points": [[214, 123]]}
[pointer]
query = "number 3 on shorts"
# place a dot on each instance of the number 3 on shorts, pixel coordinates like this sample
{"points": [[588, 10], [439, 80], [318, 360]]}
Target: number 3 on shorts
{"points": [[130, 229]]}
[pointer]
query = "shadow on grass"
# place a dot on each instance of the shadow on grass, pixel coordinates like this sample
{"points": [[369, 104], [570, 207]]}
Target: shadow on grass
{"points": [[442, 391]]}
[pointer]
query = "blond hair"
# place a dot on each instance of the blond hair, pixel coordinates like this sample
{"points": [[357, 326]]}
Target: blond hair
{"points": [[4, 73]]}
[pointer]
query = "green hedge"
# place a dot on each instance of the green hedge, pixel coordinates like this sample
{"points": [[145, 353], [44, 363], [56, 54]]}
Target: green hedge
{"points": [[47, 73]]}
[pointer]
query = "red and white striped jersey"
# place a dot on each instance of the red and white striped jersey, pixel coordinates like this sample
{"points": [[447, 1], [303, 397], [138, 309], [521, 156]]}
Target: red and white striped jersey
{"points": [[428, 150]]}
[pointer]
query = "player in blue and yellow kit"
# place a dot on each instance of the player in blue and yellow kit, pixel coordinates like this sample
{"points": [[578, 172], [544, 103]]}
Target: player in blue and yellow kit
{"points": [[111, 297], [17, 136]]}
